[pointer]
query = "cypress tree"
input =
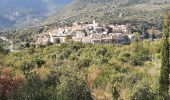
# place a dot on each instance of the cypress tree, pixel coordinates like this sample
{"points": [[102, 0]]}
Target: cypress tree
{"points": [[164, 74]]}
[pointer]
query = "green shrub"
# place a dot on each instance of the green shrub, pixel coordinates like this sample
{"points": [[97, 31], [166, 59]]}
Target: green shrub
{"points": [[144, 93]]}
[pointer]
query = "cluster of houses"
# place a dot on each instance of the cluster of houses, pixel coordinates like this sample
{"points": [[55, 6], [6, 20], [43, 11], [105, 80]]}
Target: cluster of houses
{"points": [[89, 33]]}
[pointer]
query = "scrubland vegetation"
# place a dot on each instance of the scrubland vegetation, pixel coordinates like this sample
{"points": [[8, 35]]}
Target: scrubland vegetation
{"points": [[78, 71]]}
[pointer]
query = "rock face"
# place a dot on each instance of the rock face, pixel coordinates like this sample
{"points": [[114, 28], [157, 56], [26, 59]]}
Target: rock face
{"points": [[109, 10]]}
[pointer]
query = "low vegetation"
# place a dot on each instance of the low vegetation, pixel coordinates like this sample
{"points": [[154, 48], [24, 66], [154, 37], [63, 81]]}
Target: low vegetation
{"points": [[84, 72]]}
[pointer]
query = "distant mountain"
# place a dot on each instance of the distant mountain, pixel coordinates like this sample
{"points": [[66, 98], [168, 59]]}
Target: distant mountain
{"points": [[114, 10], [23, 12]]}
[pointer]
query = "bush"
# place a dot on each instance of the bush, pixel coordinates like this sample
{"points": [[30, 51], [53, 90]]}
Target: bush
{"points": [[9, 83], [139, 54], [124, 57], [39, 62], [101, 51], [36, 88], [65, 54], [144, 93], [84, 62]]}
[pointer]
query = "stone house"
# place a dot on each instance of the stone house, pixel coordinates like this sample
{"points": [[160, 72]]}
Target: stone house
{"points": [[119, 28]]}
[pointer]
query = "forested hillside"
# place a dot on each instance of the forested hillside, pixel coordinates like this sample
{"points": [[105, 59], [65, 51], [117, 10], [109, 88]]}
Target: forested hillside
{"points": [[114, 11]]}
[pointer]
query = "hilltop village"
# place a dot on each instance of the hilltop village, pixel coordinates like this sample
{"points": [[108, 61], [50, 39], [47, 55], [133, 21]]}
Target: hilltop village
{"points": [[95, 33], [83, 32]]}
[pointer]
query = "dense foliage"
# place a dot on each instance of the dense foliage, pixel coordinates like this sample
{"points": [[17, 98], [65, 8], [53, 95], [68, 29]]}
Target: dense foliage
{"points": [[86, 71], [164, 75]]}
